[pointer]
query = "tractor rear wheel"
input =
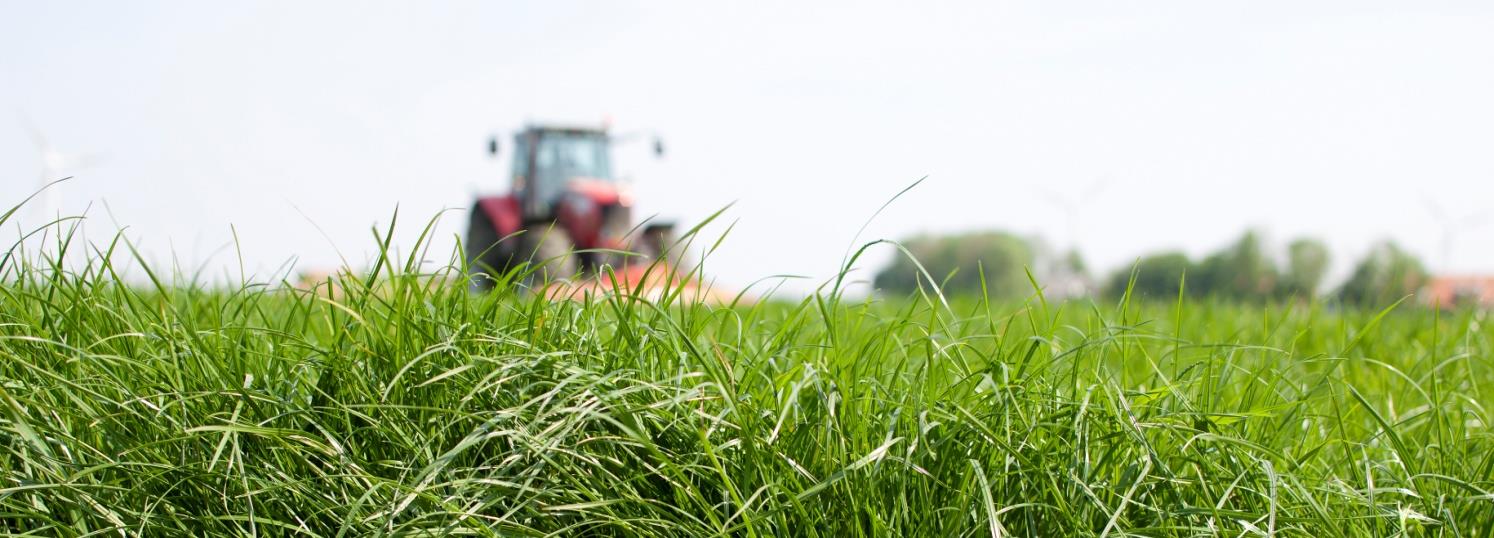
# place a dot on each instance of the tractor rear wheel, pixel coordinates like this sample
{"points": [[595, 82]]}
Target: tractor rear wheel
{"points": [[550, 253], [487, 257]]}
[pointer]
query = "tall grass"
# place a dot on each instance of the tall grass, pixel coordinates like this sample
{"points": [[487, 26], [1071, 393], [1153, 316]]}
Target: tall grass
{"points": [[398, 407]]}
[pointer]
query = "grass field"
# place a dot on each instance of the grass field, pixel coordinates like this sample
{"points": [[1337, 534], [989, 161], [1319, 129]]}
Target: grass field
{"points": [[400, 408]]}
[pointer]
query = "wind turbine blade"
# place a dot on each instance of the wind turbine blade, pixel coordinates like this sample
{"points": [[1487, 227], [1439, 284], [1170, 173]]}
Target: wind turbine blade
{"points": [[1435, 209], [1474, 220], [85, 160], [1093, 191], [36, 133], [1052, 197]]}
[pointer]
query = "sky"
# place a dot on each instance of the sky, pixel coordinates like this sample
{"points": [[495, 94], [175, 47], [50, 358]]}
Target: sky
{"points": [[275, 135]]}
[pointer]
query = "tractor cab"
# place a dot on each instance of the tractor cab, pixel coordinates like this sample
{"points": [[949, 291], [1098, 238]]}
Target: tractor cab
{"points": [[548, 160]]}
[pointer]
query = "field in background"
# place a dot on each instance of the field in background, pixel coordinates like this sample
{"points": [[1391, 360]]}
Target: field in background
{"points": [[398, 407]]}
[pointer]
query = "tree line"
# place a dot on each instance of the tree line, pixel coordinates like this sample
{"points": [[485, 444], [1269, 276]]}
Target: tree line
{"points": [[997, 264]]}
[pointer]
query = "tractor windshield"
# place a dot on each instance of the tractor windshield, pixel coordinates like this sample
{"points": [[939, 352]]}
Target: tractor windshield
{"points": [[565, 155], [560, 156]]}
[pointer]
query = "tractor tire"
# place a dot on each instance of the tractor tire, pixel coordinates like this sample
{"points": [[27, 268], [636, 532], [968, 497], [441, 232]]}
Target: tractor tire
{"points": [[487, 257], [657, 244], [599, 261], [550, 253]]}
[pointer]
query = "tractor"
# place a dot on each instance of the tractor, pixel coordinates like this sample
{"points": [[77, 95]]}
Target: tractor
{"points": [[565, 213]]}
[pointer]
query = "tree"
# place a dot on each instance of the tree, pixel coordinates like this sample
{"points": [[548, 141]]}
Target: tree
{"points": [[1307, 264], [1157, 276], [957, 262], [1384, 276], [1074, 263], [1239, 271]]}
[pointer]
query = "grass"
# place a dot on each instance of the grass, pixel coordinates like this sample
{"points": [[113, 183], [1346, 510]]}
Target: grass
{"points": [[395, 407]]}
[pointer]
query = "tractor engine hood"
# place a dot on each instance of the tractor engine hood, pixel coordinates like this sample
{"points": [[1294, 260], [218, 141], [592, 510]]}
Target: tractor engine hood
{"points": [[601, 191], [596, 213]]}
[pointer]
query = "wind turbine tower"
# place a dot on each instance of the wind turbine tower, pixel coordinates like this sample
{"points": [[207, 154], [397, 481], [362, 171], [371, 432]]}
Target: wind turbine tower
{"points": [[1450, 227], [55, 166]]}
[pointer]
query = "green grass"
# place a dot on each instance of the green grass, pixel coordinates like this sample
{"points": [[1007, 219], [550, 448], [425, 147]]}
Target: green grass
{"points": [[396, 407]]}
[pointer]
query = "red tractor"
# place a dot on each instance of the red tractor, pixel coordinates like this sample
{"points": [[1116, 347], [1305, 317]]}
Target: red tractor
{"points": [[565, 212]]}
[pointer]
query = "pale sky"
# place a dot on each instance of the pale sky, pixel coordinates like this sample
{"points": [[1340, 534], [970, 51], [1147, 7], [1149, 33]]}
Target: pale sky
{"points": [[301, 125]]}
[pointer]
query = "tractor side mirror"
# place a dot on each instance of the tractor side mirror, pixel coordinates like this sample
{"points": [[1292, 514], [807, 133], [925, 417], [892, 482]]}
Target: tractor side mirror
{"points": [[493, 146], [658, 147]]}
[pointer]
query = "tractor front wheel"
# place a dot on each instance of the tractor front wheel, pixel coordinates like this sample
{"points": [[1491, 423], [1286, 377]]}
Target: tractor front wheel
{"points": [[658, 245], [550, 253]]}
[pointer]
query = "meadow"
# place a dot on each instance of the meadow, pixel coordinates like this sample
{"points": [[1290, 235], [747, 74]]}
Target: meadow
{"points": [[395, 406]]}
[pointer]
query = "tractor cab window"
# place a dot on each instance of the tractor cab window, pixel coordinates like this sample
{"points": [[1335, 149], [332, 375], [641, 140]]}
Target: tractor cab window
{"points": [[569, 155], [562, 156], [521, 156]]}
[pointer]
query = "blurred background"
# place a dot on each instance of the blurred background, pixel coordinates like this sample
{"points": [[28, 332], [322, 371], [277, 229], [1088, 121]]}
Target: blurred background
{"points": [[1114, 130]]}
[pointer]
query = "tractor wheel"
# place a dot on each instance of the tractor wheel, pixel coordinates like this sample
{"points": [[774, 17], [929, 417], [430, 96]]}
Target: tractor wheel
{"points": [[550, 253], [607, 259], [657, 244], [487, 258]]}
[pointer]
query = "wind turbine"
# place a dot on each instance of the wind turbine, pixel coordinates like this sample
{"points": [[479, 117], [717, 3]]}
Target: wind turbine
{"points": [[1072, 282], [1071, 205], [1451, 226], [55, 165]]}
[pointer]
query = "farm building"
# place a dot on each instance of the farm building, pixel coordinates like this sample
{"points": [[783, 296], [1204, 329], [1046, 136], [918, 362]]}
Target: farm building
{"points": [[1460, 290]]}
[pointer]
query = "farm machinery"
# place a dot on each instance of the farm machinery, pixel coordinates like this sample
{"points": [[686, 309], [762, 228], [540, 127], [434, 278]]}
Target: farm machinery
{"points": [[565, 213]]}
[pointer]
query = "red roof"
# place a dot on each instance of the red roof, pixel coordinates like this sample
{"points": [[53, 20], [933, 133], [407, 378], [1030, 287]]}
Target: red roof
{"points": [[1453, 290]]}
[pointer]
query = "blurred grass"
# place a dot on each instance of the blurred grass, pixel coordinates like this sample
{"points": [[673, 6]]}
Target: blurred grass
{"points": [[395, 407]]}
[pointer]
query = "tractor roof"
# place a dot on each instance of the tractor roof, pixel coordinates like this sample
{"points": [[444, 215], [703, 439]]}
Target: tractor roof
{"points": [[566, 128]]}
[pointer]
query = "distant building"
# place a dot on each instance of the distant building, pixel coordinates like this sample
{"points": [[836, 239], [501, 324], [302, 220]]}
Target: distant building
{"points": [[1451, 291]]}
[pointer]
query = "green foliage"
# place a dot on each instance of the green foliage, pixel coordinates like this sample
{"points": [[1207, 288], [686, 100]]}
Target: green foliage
{"points": [[1244, 272], [958, 261], [1307, 264], [1241, 271], [1074, 263], [401, 404], [1156, 276], [1385, 275]]}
